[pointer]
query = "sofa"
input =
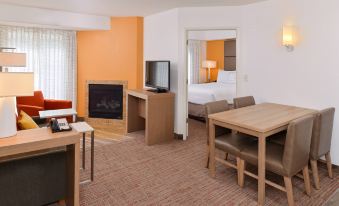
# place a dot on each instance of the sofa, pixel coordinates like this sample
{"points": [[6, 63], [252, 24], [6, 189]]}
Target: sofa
{"points": [[33, 104], [34, 179]]}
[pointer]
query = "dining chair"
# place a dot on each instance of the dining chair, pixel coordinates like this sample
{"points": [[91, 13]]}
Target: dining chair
{"points": [[212, 108], [243, 102], [225, 139], [286, 160], [320, 143]]}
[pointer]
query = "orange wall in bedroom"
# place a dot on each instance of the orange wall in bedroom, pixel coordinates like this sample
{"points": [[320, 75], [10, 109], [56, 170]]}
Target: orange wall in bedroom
{"points": [[116, 54], [215, 51]]}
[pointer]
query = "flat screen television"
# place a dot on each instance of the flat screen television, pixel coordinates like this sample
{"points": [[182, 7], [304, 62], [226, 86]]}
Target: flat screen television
{"points": [[157, 75]]}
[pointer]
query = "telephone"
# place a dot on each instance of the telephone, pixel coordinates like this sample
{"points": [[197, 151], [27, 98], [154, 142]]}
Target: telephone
{"points": [[59, 125]]}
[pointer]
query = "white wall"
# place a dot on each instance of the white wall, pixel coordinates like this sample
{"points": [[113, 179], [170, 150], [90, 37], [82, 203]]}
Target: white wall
{"points": [[307, 77], [161, 43], [209, 35], [28, 16]]}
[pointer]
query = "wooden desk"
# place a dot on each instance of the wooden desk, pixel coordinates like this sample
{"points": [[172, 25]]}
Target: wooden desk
{"points": [[28, 141], [152, 112], [261, 121]]}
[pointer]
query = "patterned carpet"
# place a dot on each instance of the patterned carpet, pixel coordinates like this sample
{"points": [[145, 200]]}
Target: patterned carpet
{"points": [[129, 173]]}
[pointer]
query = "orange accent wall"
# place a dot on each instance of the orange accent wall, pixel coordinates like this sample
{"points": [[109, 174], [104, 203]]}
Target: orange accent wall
{"points": [[215, 51], [116, 54]]}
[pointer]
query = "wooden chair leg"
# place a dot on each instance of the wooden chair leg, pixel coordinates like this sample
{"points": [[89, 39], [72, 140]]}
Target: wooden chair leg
{"points": [[226, 155], [307, 181], [208, 157], [289, 191], [315, 174], [329, 164], [241, 170]]}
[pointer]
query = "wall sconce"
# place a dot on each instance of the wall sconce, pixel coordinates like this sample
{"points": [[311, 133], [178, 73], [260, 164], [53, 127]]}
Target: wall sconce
{"points": [[289, 37]]}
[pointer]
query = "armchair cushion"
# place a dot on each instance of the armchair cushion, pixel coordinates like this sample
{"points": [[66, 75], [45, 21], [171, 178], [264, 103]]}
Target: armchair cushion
{"points": [[57, 104], [29, 109]]}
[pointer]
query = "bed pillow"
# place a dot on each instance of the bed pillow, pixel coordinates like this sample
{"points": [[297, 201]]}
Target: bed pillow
{"points": [[227, 77]]}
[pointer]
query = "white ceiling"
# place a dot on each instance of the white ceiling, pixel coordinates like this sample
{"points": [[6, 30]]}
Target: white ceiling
{"points": [[123, 7]]}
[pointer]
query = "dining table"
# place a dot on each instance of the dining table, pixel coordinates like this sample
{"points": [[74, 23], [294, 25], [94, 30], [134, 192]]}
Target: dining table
{"points": [[258, 121]]}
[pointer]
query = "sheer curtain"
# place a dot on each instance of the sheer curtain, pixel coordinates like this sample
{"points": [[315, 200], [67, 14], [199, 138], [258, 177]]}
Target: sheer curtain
{"points": [[51, 55], [196, 54]]}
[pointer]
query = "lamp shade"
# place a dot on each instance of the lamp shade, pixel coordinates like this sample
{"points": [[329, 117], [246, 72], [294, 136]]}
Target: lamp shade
{"points": [[209, 64], [289, 35], [10, 59], [16, 84]]}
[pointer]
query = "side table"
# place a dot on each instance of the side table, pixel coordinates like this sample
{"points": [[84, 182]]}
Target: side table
{"points": [[83, 127]]}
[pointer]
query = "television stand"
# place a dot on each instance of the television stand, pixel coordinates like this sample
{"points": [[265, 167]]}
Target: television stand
{"points": [[152, 112], [158, 90]]}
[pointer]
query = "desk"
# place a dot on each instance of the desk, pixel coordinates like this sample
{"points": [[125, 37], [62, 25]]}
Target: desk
{"points": [[39, 139], [152, 112], [261, 121]]}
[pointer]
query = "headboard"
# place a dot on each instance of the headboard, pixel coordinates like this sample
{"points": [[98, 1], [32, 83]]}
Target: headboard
{"points": [[230, 55]]}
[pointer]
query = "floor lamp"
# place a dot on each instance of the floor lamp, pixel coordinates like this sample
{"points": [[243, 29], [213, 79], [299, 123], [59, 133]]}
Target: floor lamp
{"points": [[208, 64], [12, 84]]}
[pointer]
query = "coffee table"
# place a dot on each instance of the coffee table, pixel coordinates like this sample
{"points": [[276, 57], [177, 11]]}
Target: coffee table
{"points": [[57, 113]]}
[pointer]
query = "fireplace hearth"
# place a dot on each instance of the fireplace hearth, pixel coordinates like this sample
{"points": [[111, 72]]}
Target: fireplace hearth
{"points": [[105, 101]]}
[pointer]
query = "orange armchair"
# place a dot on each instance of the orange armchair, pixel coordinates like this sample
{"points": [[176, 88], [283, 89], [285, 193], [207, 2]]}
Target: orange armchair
{"points": [[32, 105]]}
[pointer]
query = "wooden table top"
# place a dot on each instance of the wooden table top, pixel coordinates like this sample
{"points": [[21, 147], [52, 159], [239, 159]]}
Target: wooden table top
{"points": [[262, 117], [36, 139], [57, 113]]}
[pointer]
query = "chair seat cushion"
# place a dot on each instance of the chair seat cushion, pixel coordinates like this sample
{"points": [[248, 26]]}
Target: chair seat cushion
{"points": [[233, 143], [274, 156]]}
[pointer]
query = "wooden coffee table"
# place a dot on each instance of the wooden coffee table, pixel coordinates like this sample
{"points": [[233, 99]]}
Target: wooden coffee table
{"points": [[47, 114]]}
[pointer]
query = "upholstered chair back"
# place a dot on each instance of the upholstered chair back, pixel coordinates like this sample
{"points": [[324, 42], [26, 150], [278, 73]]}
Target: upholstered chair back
{"points": [[322, 133], [297, 145], [216, 107], [243, 102]]}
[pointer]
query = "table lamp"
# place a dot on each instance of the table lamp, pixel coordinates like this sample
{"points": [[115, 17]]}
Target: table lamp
{"points": [[11, 59], [209, 65], [12, 84]]}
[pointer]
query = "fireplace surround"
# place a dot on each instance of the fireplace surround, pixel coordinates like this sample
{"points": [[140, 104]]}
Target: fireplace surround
{"points": [[106, 105]]}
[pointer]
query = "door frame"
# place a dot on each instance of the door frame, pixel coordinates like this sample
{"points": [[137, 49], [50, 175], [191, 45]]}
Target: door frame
{"points": [[185, 89]]}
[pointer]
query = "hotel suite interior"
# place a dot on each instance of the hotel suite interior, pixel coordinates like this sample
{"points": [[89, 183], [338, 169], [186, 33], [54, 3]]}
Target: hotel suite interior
{"points": [[169, 102]]}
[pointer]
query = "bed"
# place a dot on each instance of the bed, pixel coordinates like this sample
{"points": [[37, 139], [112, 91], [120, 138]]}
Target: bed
{"points": [[200, 94]]}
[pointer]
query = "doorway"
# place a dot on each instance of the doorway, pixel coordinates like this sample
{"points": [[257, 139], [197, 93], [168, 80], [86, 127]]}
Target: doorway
{"points": [[212, 65]]}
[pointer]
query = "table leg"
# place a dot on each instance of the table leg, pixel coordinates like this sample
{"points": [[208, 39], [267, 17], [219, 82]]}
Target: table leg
{"points": [[261, 170], [73, 164], [212, 148], [92, 155], [83, 149]]}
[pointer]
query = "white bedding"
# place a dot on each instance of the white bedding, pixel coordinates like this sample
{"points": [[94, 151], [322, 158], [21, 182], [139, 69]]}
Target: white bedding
{"points": [[210, 92]]}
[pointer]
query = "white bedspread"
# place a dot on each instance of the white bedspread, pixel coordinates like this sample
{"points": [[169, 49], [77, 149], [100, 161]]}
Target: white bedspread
{"points": [[210, 92]]}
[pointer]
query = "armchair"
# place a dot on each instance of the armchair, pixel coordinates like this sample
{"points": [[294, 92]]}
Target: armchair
{"points": [[32, 105]]}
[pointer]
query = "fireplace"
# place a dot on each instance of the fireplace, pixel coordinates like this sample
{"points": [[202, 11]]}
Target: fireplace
{"points": [[105, 101]]}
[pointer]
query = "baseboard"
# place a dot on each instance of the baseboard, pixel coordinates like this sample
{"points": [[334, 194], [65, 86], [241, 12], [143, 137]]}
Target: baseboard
{"points": [[80, 119]]}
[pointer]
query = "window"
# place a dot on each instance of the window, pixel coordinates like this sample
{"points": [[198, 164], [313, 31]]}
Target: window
{"points": [[51, 55]]}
